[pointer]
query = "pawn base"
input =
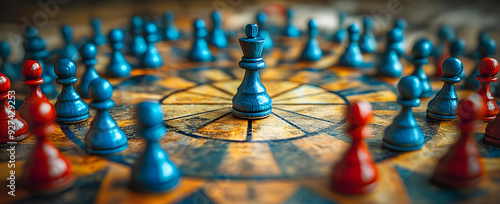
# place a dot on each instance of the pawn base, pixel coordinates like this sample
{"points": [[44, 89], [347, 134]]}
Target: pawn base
{"points": [[402, 148], [107, 151], [52, 188], [491, 140], [440, 117], [154, 188], [446, 181], [74, 119], [252, 115], [16, 138], [355, 189]]}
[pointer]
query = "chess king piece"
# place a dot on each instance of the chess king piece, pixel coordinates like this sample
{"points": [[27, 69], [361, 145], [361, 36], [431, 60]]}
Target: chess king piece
{"points": [[98, 39], [70, 108], [457, 50], [138, 46], [9, 118], [263, 33], [488, 69], [421, 51], [486, 49], [312, 51], [252, 101], [352, 56], [69, 50], [6, 67], [461, 166], [104, 136], [404, 134], [356, 172], [341, 33], [402, 46], [444, 105], [151, 58], [200, 51], [368, 42], [88, 51], [390, 66], [118, 65], [291, 30], [46, 171], [217, 35], [171, 33], [32, 72], [153, 170]]}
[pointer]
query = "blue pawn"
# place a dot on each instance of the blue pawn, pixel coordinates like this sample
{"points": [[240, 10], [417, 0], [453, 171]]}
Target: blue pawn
{"points": [[390, 66], [341, 33], [153, 170], [457, 50], [70, 108], [69, 50], [263, 33], [36, 51], [98, 39], [88, 51], [352, 56], [200, 51], [402, 46], [104, 136], [138, 46], [151, 58], [291, 30], [170, 33], [421, 51], [218, 36], [312, 51], [404, 134], [486, 49], [368, 42], [118, 65], [29, 33], [252, 101], [6, 67], [446, 34], [444, 105], [482, 37]]}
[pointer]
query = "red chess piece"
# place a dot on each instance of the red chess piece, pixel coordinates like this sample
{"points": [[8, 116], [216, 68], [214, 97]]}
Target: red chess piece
{"points": [[47, 171], [12, 127], [356, 173], [439, 62], [488, 68], [31, 71], [492, 132], [461, 166]]}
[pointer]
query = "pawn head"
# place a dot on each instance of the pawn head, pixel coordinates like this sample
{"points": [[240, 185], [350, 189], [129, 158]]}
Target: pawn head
{"points": [[457, 47], [422, 48], [137, 22], [401, 23], [342, 17], [216, 16], [409, 87], [367, 22], [4, 84], [30, 32], [487, 48], [67, 33], [169, 16], [488, 67], [31, 69], [199, 24], [100, 89], [470, 108], [4, 49], [353, 28], [252, 30], [359, 113], [313, 27], [483, 36], [261, 18], [65, 68], [96, 23], [446, 32], [149, 114], [150, 28], [395, 35], [290, 12], [115, 36], [452, 67], [88, 51], [36, 44]]}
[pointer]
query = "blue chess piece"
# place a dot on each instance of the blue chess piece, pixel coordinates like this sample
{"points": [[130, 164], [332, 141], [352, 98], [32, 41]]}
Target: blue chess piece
{"points": [[153, 170], [252, 101], [421, 51], [171, 33], [263, 33], [312, 51], [291, 30], [217, 35], [341, 33], [444, 105], [200, 51], [70, 108], [457, 50], [402, 46], [404, 134], [138, 46], [482, 37], [486, 49], [98, 39], [352, 56], [29, 33], [368, 42], [104, 136], [69, 50], [88, 51], [118, 65], [6, 67], [151, 58], [390, 66], [446, 34]]}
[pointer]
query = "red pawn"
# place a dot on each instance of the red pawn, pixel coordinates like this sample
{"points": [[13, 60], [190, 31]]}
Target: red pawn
{"points": [[47, 171], [356, 173], [488, 68], [492, 132], [461, 166], [31, 71], [12, 127]]}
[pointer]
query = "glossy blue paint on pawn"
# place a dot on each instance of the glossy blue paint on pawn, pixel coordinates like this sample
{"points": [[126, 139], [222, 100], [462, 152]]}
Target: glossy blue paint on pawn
{"points": [[151, 58], [98, 39], [352, 56], [252, 101], [291, 30], [457, 50], [70, 108], [200, 51], [153, 170], [217, 35], [118, 65], [88, 51], [404, 134], [104, 135], [402, 46], [390, 66], [138, 45], [6, 67], [263, 33], [421, 51], [312, 51], [368, 42], [341, 33], [69, 50], [486, 49], [170, 33], [444, 105]]}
